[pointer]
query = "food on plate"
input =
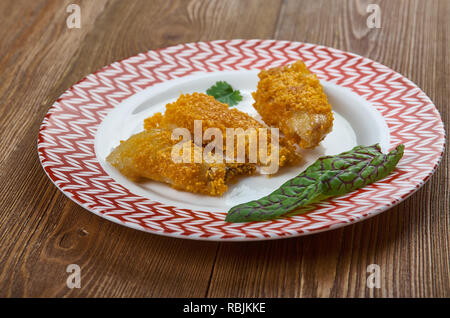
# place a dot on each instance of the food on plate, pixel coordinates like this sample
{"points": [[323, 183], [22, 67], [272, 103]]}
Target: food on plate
{"points": [[328, 176], [292, 99], [224, 93], [289, 98], [189, 108], [148, 154]]}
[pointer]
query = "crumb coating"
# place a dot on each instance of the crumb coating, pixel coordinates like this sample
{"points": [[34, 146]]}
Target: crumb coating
{"points": [[291, 98], [213, 114], [149, 155]]}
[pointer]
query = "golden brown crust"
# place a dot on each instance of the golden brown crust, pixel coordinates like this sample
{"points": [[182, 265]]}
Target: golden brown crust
{"points": [[291, 98], [213, 114], [149, 155]]}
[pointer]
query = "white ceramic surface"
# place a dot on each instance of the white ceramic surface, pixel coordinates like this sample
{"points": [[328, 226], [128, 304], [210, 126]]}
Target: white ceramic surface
{"points": [[356, 122]]}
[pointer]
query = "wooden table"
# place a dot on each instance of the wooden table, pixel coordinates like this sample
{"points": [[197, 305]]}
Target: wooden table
{"points": [[42, 232]]}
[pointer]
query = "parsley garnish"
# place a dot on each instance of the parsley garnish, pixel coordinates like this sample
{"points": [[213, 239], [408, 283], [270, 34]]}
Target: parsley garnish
{"points": [[223, 92]]}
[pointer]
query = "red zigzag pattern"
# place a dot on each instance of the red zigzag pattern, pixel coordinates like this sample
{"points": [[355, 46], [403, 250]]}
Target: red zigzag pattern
{"points": [[66, 137]]}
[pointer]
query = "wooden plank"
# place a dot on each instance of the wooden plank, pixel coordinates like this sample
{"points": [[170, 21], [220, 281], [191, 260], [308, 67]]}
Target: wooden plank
{"points": [[410, 242], [35, 54], [42, 231]]}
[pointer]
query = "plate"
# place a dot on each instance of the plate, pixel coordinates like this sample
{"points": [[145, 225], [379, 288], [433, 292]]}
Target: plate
{"points": [[371, 104]]}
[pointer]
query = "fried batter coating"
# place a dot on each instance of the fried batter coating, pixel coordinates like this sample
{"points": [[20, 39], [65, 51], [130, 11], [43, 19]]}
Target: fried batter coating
{"points": [[149, 155], [292, 99], [214, 114]]}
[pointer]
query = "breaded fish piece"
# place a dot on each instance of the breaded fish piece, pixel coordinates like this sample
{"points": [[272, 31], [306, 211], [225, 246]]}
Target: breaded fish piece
{"points": [[291, 98], [149, 155], [214, 114]]}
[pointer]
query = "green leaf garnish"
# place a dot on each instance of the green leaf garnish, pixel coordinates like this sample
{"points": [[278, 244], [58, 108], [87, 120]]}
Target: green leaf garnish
{"points": [[223, 92], [328, 176]]}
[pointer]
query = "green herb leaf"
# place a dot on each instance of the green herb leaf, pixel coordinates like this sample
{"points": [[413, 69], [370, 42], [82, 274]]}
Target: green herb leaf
{"points": [[223, 92], [328, 176]]}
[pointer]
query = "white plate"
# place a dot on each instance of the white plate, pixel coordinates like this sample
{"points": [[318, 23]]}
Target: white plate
{"points": [[371, 103]]}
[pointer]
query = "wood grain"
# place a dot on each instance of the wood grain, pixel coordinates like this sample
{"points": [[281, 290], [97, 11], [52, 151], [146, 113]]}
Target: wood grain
{"points": [[41, 231]]}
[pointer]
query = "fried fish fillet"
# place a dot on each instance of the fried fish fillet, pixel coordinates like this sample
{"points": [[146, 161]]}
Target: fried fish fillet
{"points": [[149, 154], [214, 114], [292, 99]]}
